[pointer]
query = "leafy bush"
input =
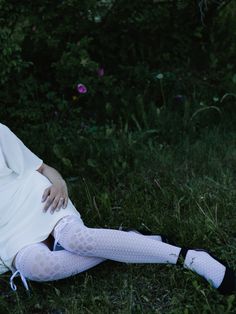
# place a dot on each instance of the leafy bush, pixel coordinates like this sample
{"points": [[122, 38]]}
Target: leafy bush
{"points": [[135, 58]]}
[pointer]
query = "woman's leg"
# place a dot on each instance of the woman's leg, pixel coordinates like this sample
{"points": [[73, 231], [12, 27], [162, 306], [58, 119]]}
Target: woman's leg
{"points": [[135, 248], [37, 262], [121, 246]]}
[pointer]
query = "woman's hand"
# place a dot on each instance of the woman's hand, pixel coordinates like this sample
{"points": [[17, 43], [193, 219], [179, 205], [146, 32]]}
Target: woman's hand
{"points": [[57, 195]]}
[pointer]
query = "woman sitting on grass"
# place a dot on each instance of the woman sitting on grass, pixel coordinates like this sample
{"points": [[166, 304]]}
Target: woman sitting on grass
{"points": [[26, 226]]}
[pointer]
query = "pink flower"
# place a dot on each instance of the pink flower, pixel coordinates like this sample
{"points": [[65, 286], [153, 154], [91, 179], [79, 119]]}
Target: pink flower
{"points": [[100, 72], [81, 89]]}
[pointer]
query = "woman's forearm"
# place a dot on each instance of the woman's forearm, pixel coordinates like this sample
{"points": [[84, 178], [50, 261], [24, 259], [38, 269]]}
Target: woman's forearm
{"points": [[57, 193], [52, 174]]}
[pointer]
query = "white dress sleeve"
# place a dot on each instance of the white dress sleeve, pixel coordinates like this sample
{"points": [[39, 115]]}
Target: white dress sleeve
{"points": [[14, 155]]}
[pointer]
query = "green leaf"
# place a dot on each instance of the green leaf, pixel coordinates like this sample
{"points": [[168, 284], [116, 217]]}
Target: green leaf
{"points": [[234, 78], [91, 163], [67, 162]]}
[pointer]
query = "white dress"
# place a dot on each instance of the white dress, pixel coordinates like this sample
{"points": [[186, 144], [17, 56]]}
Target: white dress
{"points": [[22, 220]]}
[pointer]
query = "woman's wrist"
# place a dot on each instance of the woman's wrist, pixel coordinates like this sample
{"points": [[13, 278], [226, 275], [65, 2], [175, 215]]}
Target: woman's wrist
{"points": [[53, 175], [59, 179]]}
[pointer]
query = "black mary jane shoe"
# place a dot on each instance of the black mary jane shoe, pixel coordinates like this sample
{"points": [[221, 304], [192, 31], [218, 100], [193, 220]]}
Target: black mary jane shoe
{"points": [[228, 284], [147, 232]]}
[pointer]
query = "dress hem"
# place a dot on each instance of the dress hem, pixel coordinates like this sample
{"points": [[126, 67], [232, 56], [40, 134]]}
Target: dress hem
{"points": [[40, 239]]}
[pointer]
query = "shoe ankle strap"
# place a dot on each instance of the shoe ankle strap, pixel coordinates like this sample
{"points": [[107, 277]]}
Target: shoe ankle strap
{"points": [[182, 255]]}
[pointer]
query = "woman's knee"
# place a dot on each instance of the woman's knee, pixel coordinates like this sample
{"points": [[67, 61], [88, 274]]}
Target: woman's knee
{"points": [[36, 262], [78, 239]]}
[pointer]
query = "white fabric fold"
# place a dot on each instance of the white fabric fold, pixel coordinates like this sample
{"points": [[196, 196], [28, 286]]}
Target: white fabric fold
{"points": [[15, 156], [22, 220]]}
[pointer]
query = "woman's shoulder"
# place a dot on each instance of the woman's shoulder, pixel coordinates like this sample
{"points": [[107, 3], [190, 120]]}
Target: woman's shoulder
{"points": [[1, 129], [3, 126]]}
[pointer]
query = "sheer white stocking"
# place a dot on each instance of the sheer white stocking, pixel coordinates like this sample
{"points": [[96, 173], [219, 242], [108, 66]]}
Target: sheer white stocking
{"points": [[133, 248], [121, 246], [37, 262], [86, 247]]}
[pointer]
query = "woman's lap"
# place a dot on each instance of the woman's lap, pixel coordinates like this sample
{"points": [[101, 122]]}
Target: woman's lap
{"points": [[50, 240]]}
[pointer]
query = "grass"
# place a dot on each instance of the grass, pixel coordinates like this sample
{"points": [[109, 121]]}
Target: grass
{"points": [[185, 189]]}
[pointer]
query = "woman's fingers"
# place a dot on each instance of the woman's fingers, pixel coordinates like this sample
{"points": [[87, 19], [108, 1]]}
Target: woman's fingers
{"points": [[48, 203], [55, 204], [55, 199], [60, 203], [65, 202], [45, 194]]}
